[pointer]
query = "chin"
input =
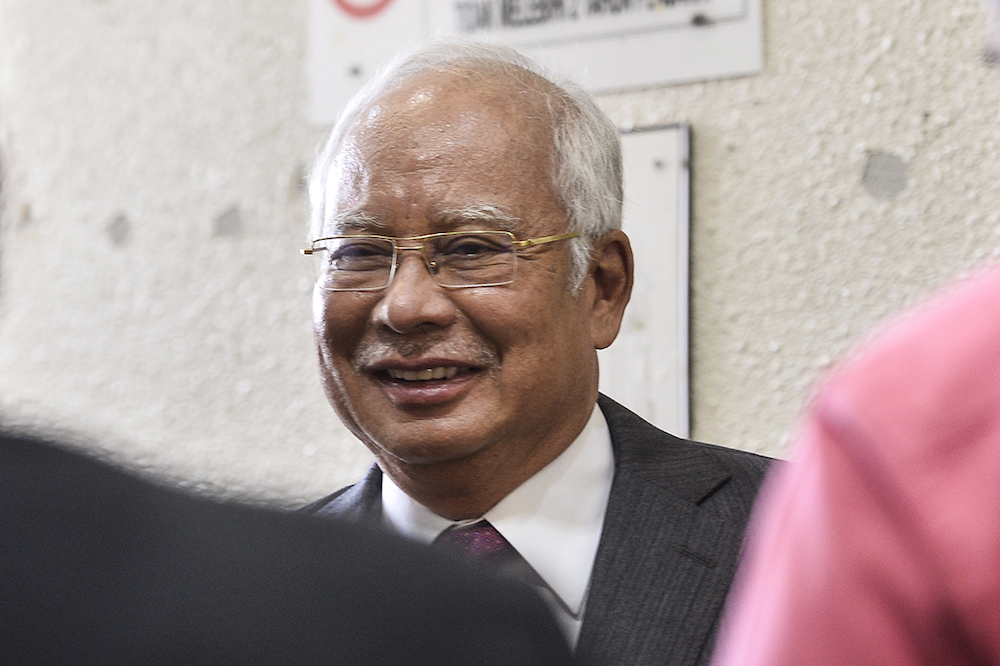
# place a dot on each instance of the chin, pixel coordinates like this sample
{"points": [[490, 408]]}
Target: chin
{"points": [[422, 455]]}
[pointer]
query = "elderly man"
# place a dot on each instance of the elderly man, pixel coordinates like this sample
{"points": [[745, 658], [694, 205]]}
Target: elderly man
{"points": [[466, 215]]}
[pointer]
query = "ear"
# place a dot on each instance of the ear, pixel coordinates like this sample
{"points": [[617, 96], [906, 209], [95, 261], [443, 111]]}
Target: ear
{"points": [[611, 270]]}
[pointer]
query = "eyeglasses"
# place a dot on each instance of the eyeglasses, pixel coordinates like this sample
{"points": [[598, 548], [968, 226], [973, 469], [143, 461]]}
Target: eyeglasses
{"points": [[455, 259]]}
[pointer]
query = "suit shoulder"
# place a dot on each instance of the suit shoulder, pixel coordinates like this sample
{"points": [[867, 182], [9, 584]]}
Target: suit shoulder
{"points": [[737, 460], [320, 504], [360, 502], [695, 470]]}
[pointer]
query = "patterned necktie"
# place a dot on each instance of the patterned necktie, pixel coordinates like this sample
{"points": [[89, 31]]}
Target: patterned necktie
{"points": [[479, 541], [482, 543]]}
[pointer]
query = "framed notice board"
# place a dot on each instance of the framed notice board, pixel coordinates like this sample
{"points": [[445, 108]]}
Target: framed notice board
{"points": [[604, 45], [646, 369]]}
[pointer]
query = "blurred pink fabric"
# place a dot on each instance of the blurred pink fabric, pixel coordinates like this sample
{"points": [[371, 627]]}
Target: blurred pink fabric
{"points": [[880, 543]]}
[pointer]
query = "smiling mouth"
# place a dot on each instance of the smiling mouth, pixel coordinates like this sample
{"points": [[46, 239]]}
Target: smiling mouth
{"points": [[425, 375]]}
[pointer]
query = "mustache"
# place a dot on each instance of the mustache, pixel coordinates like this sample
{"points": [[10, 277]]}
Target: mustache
{"points": [[477, 352]]}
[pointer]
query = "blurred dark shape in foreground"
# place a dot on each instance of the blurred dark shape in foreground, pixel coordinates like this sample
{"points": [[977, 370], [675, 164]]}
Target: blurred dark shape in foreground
{"points": [[99, 567]]}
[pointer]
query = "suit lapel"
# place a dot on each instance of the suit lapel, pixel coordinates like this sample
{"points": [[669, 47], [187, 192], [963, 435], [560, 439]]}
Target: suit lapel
{"points": [[669, 545], [666, 554], [360, 503]]}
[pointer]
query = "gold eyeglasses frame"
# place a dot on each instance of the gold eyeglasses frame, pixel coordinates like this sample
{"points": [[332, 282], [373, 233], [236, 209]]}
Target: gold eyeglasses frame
{"points": [[418, 243]]}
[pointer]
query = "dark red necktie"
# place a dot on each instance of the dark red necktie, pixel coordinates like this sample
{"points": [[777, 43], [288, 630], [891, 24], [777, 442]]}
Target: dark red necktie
{"points": [[481, 542]]}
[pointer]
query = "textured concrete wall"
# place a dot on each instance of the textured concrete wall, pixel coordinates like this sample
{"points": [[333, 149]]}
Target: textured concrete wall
{"points": [[151, 293], [793, 258], [151, 296]]}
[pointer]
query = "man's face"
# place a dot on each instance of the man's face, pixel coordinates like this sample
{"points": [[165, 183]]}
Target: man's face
{"points": [[425, 374]]}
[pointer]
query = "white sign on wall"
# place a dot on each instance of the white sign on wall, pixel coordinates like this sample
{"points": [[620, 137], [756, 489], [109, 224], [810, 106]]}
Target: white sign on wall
{"points": [[602, 44], [646, 369]]}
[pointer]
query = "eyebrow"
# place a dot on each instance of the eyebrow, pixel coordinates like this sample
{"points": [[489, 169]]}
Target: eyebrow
{"points": [[481, 214], [361, 222], [354, 222]]}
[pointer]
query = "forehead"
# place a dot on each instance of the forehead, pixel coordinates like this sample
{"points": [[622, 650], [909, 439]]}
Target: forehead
{"points": [[450, 140], [505, 99]]}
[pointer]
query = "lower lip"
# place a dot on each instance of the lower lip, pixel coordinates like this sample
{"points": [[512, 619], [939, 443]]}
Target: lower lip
{"points": [[431, 392]]}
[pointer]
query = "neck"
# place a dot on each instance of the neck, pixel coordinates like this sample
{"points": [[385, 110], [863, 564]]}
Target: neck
{"points": [[469, 487]]}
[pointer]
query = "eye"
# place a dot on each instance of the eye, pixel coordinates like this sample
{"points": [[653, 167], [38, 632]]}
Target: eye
{"points": [[359, 254], [473, 246]]}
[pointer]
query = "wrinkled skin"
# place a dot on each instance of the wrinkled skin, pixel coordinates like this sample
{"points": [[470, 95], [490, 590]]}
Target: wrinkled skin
{"points": [[519, 361]]}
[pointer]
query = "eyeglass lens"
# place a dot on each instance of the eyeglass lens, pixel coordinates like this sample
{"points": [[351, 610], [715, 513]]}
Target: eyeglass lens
{"points": [[358, 263]]}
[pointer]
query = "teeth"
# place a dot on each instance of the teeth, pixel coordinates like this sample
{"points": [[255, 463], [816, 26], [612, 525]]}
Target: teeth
{"points": [[424, 375]]}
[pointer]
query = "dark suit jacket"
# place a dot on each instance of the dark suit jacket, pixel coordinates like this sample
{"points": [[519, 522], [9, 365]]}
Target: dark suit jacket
{"points": [[672, 535], [98, 567]]}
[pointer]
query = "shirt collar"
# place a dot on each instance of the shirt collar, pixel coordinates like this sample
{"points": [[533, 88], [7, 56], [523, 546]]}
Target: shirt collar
{"points": [[553, 519]]}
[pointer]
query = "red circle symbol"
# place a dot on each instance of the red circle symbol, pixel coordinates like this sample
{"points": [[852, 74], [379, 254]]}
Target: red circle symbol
{"points": [[360, 9]]}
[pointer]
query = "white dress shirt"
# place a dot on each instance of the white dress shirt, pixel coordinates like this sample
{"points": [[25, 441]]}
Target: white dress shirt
{"points": [[554, 519]]}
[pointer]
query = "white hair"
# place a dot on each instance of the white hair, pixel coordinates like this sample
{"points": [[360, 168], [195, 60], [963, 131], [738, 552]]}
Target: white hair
{"points": [[587, 170]]}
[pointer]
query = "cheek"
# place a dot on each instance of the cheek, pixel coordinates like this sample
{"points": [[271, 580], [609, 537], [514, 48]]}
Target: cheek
{"points": [[530, 331], [338, 322], [493, 313]]}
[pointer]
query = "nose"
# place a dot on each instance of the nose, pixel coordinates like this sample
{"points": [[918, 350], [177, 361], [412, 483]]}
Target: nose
{"points": [[413, 300]]}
